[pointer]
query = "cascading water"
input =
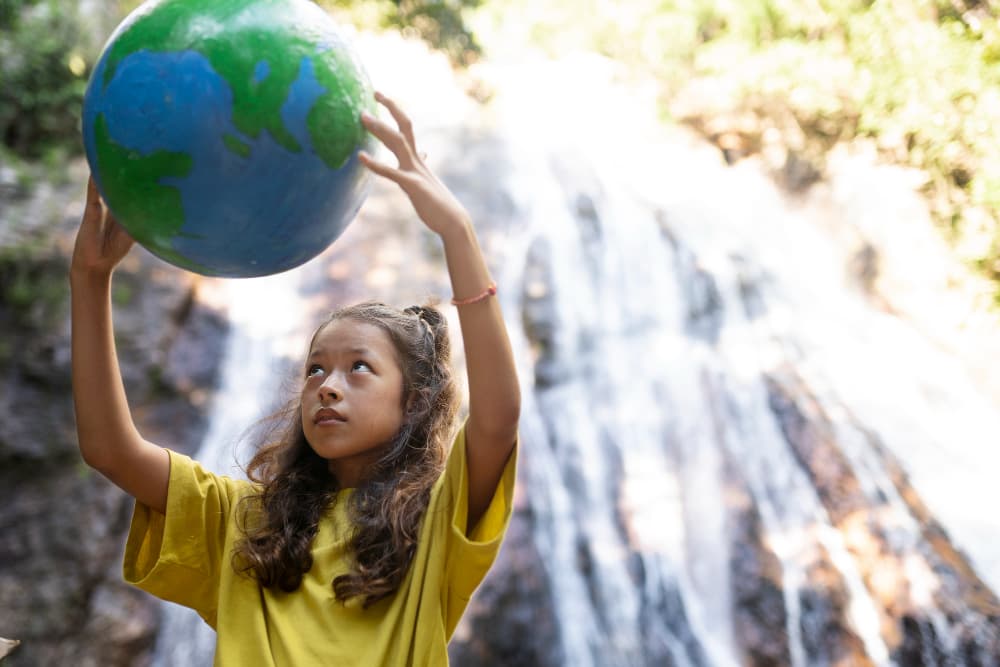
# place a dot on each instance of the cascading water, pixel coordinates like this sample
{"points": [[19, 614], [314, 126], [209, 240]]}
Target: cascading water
{"points": [[699, 377], [729, 457], [266, 318]]}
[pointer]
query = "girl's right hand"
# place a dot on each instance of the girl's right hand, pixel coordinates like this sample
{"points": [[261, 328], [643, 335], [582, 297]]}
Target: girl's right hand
{"points": [[101, 243]]}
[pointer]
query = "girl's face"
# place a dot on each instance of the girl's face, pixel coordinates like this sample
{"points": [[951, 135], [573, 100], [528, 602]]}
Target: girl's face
{"points": [[352, 397]]}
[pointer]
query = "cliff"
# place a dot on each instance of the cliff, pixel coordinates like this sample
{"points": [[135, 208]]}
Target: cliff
{"points": [[62, 525]]}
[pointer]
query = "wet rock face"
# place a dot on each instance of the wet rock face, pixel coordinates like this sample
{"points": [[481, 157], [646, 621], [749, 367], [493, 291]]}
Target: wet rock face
{"points": [[901, 551], [826, 636], [34, 356], [62, 525], [510, 620], [759, 616], [60, 586]]}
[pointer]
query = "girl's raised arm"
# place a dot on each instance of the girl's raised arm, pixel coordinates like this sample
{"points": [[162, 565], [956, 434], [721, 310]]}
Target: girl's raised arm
{"points": [[109, 440], [494, 394]]}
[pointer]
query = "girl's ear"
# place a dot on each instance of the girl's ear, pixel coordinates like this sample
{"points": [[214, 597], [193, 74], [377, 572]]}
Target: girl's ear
{"points": [[416, 397]]}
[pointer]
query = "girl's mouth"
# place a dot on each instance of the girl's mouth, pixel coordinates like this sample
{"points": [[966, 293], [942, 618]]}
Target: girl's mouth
{"points": [[328, 416]]}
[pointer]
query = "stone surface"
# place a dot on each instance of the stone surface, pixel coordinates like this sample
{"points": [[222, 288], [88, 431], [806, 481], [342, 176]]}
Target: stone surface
{"points": [[62, 525], [929, 598], [510, 620], [760, 620]]}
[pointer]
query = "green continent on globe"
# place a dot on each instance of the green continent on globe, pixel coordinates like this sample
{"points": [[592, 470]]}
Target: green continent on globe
{"points": [[242, 32], [132, 181], [235, 145]]}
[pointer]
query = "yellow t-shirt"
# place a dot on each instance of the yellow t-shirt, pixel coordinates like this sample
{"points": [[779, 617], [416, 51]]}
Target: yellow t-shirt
{"points": [[184, 556]]}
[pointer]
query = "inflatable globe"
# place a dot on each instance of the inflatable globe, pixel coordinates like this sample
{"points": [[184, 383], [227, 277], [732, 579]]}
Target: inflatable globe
{"points": [[224, 134]]}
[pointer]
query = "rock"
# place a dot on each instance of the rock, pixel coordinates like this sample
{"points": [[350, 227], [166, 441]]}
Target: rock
{"points": [[511, 619], [927, 595], [759, 616], [540, 317], [62, 525], [6, 646], [823, 606], [10, 184]]}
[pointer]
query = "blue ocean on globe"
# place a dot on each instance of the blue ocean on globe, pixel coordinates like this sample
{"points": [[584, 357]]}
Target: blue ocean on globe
{"points": [[251, 206]]}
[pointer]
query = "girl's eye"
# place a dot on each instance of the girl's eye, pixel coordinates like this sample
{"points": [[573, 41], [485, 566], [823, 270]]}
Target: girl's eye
{"points": [[315, 369], [362, 364]]}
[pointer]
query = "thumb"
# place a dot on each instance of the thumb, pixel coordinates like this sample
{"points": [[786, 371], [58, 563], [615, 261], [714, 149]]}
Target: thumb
{"points": [[94, 208], [118, 236]]}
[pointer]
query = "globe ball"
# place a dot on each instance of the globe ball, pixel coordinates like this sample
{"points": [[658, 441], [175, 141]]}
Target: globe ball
{"points": [[224, 134]]}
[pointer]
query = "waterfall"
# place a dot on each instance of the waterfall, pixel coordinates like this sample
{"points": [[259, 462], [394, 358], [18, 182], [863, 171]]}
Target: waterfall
{"points": [[729, 455], [708, 386], [268, 332]]}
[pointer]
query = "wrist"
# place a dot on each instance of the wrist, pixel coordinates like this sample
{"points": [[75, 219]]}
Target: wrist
{"points": [[87, 277], [458, 230]]}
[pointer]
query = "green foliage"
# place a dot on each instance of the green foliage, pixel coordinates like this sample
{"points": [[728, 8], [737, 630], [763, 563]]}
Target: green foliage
{"points": [[47, 53], [10, 12], [948, 116], [43, 74], [122, 293], [918, 78], [33, 287], [441, 23]]}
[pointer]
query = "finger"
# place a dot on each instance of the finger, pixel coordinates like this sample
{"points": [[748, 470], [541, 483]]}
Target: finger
{"points": [[402, 120], [93, 195], [382, 169], [117, 227], [115, 239], [94, 205], [392, 138], [118, 240]]}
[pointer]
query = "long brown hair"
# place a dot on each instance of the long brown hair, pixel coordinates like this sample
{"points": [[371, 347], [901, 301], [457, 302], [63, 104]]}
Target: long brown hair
{"points": [[280, 520]]}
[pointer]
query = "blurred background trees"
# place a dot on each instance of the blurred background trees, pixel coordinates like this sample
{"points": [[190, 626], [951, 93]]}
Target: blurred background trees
{"points": [[44, 64], [917, 79], [48, 48]]}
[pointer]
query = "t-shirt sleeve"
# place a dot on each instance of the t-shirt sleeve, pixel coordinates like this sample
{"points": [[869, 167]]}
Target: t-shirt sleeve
{"points": [[178, 556], [469, 556]]}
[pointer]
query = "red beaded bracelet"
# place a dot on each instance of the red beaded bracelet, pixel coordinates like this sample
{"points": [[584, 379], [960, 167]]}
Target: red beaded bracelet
{"points": [[490, 291]]}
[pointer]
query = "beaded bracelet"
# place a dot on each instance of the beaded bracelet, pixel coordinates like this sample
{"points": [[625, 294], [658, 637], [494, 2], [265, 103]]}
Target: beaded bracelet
{"points": [[490, 291]]}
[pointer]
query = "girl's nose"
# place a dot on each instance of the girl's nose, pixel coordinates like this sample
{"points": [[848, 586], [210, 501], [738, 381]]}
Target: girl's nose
{"points": [[330, 391]]}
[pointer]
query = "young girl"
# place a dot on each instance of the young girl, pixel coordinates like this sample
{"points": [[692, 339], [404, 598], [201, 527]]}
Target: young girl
{"points": [[360, 538]]}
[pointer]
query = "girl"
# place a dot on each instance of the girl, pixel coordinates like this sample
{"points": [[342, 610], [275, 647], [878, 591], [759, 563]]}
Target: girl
{"points": [[358, 540]]}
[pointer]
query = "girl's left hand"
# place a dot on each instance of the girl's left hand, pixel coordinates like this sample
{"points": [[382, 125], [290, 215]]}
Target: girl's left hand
{"points": [[432, 200]]}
